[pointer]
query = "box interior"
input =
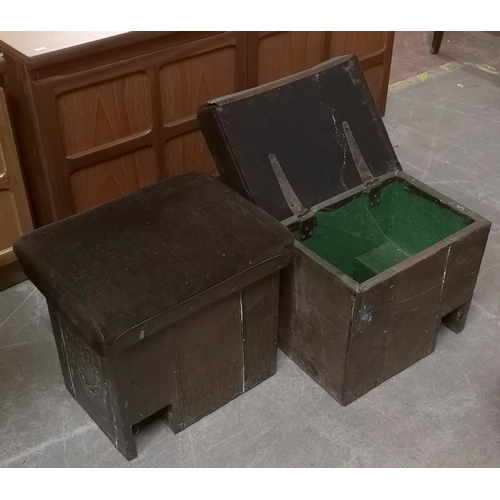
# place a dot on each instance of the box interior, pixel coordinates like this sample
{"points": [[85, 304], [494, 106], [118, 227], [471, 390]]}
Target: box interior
{"points": [[362, 241]]}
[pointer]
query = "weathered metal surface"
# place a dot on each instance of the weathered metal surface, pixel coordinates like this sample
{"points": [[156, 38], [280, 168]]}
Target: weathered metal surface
{"points": [[291, 198], [305, 217], [370, 182], [360, 163]]}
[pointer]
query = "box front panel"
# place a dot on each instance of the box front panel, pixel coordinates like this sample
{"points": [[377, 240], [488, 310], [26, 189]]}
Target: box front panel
{"points": [[144, 377], [368, 340], [209, 351], [260, 329], [281, 54], [315, 316]]}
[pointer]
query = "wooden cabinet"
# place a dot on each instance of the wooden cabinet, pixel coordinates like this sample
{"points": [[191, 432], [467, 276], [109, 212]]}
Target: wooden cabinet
{"points": [[276, 54], [15, 218], [99, 115], [374, 50]]}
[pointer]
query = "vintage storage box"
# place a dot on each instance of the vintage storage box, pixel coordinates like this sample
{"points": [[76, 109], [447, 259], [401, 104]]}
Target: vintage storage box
{"points": [[164, 301], [380, 259]]}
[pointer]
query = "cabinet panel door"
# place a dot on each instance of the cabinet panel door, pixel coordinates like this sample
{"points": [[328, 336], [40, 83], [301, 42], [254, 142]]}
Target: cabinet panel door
{"points": [[274, 55], [374, 50], [107, 131], [15, 217], [188, 83], [361, 43], [113, 179], [213, 67], [93, 129], [188, 153], [105, 112]]}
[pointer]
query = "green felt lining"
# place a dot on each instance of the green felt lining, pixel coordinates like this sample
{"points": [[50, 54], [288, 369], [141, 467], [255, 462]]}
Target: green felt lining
{"points": [[363, 241]]}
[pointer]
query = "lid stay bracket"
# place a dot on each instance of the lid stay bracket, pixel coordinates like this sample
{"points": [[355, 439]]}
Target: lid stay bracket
{"points": [[371, 183], [306, 218]]}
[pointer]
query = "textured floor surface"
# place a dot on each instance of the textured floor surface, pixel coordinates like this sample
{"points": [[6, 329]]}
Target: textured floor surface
{"points": [[411, 51], [442, 411]]}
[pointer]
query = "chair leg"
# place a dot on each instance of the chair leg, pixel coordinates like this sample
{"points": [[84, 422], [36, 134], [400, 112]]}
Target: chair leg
{"points": [[455, 320], [436, 41]]}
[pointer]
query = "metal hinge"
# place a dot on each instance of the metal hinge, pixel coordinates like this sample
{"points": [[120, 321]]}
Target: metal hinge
{"points": [[306, 218], [371, 183]]}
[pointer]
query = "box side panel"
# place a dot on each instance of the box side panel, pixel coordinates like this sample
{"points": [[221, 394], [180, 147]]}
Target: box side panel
{"points": [[85, 370], [61, 349], [86, 376], [464, 261], [368, 339], [259, 309], [315, 317], [414, 315]]}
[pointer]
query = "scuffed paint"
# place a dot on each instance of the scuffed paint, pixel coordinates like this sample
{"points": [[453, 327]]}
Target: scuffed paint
{"points": [[441, 70], [366, 314], [483, 67], [422, 77]]}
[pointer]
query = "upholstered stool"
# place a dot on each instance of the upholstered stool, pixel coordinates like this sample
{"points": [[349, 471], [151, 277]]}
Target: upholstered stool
{"points": [[164, 301]]}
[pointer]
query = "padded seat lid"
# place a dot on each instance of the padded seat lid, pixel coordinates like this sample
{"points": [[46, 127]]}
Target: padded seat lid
{"points": [[170, 244], [298, 119]]}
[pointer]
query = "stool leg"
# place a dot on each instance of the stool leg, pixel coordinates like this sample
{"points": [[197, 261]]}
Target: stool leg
{"points": [[125, 442], [455, 320], [436, 41], [174, 417]]}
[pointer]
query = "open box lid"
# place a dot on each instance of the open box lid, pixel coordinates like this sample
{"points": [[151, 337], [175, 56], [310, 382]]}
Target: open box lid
{"points": [[301, 120]]}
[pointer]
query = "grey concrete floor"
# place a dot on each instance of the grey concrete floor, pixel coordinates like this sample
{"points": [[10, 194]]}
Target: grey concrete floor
{"points": [[411, 51], [442, 411]]}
